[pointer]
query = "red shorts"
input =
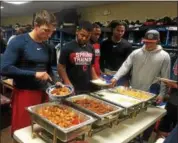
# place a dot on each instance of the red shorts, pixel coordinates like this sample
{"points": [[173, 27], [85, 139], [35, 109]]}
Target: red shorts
{"points": [[20, 100]]}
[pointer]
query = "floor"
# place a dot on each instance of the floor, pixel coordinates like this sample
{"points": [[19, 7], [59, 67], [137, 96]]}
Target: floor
{"points": [[5, 124], [5, 136], [5, 119]]}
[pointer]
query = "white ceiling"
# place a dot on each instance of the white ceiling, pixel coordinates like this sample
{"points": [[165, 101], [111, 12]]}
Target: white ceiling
{"points": [[10, 10]]}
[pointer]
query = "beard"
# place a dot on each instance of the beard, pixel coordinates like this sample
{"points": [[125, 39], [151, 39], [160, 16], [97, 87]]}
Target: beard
{"points": [[82, 43]]}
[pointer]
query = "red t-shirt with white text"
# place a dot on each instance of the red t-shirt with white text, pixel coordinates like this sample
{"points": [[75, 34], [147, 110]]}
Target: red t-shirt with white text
{"points": [[96, 47]]}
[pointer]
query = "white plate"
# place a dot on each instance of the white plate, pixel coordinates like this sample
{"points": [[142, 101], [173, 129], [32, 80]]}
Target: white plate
{"points": [[167, 80], [100, 82]]}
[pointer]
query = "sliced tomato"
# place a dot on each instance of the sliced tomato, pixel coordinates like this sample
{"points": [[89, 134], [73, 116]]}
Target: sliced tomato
{"points": [[75, 121]]}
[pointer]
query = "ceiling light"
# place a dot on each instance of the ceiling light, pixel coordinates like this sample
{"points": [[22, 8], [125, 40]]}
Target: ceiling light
{"points": [[2, 7], [17, 3]]}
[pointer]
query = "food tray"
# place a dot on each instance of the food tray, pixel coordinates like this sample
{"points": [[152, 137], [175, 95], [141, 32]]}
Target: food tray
{"points": [[117, 99], [104, 118], [64, 134], [145, 102], [150, 99], [167, 80], [120, 100]]}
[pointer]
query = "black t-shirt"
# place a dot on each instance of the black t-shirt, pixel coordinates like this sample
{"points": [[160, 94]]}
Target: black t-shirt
{"points": [[114, 54], [78, 61]]}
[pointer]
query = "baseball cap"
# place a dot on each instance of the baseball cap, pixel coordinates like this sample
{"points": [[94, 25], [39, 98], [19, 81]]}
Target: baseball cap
{"points": [[151, 36]]}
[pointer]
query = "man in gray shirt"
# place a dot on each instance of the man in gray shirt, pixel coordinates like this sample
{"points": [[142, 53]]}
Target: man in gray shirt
{"points": [[146, 64]]}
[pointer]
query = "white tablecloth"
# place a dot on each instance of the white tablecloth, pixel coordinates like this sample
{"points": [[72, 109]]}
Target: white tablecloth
{"points": [[122, 133]]}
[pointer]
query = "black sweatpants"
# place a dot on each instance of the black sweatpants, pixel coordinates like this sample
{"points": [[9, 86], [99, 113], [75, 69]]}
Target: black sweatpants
{"points": [[170, 120]]}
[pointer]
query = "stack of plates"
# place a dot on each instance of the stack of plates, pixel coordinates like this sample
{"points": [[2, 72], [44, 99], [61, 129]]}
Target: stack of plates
{"points": [[101, 82]]}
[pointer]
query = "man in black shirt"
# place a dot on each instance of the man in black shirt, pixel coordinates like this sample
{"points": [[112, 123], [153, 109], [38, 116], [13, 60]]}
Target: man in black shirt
{"points": [[77, 59], [115, 50]]}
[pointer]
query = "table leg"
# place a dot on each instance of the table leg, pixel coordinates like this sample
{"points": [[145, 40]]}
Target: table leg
{"points": [[54, 136], [32, 128]]}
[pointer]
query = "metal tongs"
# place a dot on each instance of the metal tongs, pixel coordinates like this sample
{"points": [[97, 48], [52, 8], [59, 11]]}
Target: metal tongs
{"points": [[58, 84]]}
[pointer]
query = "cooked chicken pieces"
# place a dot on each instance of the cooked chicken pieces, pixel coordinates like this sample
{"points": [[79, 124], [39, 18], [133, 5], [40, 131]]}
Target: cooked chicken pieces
{"points": [[59, 115], [95, 106], [62, 91]]}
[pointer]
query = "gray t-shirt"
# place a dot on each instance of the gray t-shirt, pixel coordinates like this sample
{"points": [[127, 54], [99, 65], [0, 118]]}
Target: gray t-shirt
{"points": [[174, 92]]}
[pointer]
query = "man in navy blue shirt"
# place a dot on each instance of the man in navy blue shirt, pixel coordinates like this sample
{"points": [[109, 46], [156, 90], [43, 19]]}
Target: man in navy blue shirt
{"points": [[27, 60], [173, 136], [170, 120], [77, 59], [115, 50]]}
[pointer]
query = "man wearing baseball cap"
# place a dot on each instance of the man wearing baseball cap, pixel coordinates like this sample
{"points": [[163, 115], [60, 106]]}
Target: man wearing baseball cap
{"points": [[151, 36], [146, 64]]}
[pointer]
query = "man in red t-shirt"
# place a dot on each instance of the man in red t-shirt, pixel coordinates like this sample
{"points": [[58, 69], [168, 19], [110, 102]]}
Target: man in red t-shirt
{"points": [[96, 32]]}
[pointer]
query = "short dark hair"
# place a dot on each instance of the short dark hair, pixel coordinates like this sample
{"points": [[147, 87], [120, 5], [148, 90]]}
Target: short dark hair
{"points": [[116, 23], [86, 25], [95, 25], [44, 17]]}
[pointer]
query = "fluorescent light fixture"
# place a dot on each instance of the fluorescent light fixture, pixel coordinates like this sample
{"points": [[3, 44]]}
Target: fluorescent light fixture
{"points": [[2, 7], [17, 3]]}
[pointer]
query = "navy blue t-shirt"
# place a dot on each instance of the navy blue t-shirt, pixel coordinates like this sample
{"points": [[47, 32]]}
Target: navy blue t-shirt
{"points": [[78, 61], [173, 136], [22, 59]]}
